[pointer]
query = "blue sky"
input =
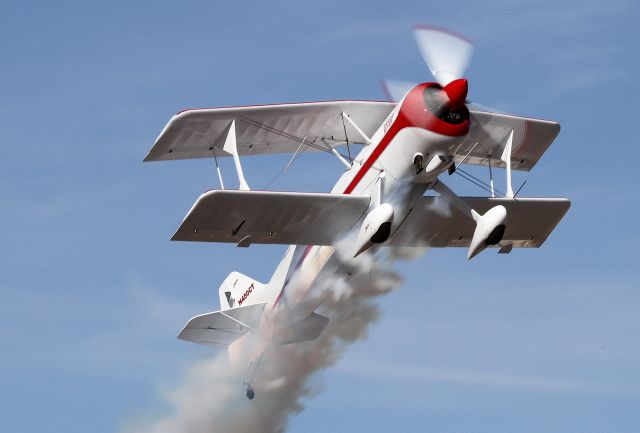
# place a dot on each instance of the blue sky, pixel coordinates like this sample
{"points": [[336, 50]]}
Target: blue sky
{"points": [[93, 292]]}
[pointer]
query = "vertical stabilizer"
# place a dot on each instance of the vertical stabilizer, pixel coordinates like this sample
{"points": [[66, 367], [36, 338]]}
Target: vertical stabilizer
{"points": [[238, 290]]}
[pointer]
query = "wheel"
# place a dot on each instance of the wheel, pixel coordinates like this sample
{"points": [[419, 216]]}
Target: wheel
{"points": [[250, 393]]}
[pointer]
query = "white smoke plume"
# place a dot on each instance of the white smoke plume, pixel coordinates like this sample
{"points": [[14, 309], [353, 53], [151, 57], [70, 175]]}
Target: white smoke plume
{"points": [[211, 397]]}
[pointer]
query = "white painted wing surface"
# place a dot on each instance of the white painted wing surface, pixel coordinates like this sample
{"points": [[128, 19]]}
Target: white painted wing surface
{"points": [[222, 328], [269, 217], [488, 137], [263, 129], [435, 223]]}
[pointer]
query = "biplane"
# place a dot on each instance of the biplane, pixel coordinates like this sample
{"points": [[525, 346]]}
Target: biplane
{"points": [[393, 193]]}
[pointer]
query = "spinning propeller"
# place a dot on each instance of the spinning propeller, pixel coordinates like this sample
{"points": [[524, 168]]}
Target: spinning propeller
{"points": [[446, 54]]}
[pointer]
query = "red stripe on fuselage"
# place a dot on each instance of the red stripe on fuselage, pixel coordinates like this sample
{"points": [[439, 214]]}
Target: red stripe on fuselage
{"points": [[411, 113], [380, 147], [384, 143]]}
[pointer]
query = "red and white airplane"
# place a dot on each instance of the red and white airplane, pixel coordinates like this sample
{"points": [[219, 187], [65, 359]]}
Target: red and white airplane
{"points": [[379, 201]]}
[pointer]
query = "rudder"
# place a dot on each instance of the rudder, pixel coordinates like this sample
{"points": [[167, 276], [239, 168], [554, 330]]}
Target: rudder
{"points": [[238, 290]]}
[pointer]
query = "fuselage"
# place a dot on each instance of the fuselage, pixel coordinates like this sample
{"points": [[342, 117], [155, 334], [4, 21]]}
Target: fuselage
{"points": [[414, 132]]}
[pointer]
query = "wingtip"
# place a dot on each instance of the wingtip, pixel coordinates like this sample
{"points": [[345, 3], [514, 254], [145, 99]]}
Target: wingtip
{"points": [[149, 157]]}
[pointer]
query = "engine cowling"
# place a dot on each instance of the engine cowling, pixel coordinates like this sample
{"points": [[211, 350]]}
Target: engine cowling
{"points": [[375, 228], [489, 230]]}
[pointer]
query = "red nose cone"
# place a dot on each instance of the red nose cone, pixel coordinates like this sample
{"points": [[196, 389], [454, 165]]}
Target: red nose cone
{"points": [[456, 92]]}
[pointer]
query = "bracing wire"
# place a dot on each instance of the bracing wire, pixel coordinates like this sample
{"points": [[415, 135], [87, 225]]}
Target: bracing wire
{"points": [[283, 171], [479, 185], [478, 182], [295, 138]]}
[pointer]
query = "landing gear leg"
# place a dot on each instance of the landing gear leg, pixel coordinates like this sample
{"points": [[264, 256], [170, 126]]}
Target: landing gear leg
{"points": [[418, 162], [248, 377]]}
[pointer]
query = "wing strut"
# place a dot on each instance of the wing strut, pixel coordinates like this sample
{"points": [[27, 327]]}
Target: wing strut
{"points": [[215, 158], [506, 157], [377, 195], [340, 157], [493, 192], [360, 131], [231, 147]]}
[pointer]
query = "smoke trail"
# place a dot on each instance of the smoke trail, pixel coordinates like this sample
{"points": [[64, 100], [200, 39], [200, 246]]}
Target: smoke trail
{"points": [[211, 398]]}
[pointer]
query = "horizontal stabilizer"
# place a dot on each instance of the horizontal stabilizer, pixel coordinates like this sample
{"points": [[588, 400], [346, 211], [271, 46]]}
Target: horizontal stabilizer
{"points": [[267, 217], [222, 328], [434, 222], [307, 329]]}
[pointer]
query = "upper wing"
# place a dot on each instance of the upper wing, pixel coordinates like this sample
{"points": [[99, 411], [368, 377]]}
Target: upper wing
{"points": [[267, 217], [488, 136], [264, 129], [436, 223]]}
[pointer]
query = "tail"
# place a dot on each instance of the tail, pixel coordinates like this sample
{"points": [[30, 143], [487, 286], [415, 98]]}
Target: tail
{"points": [[242, 302]]}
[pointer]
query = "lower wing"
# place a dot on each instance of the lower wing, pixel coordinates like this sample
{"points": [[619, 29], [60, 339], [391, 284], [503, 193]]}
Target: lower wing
{"points": [[435, 222], [268, 217]]}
